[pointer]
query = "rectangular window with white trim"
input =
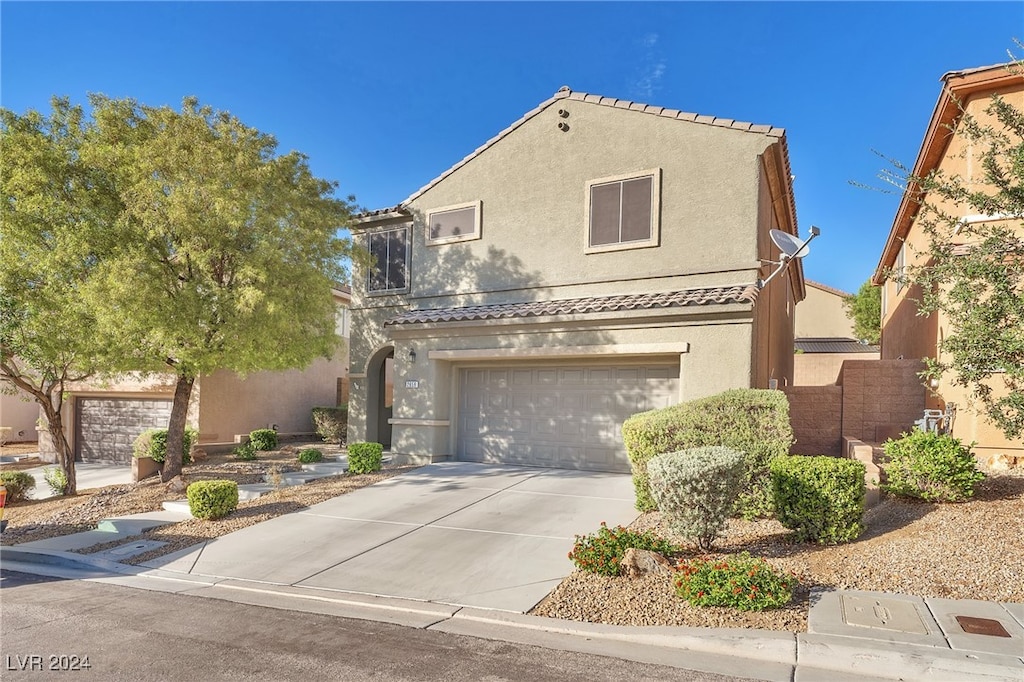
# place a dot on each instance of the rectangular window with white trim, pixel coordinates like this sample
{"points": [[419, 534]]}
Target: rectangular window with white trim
{"points": [[458, 223], [623, 212]]}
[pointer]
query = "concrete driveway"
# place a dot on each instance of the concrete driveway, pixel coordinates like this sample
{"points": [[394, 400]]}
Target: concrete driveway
{"points": [[456, 533]]}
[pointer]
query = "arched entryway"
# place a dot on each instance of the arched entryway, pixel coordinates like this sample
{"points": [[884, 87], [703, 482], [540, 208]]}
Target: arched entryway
{"points": [[380, 380]]}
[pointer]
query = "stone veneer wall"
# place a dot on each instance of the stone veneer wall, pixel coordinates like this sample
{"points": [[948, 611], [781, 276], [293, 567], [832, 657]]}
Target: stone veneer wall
{"points": [[816, 414]]}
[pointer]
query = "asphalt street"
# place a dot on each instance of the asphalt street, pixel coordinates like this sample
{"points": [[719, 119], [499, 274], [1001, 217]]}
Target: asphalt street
{"points": [[53, 628]]}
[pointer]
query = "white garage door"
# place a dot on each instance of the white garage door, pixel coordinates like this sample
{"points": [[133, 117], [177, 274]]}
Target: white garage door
{"points": [[567, 417], [108, 427]]}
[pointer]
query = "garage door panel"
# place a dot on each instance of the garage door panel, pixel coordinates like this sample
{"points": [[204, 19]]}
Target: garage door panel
{"points": [[567, 417], [106, 428]]}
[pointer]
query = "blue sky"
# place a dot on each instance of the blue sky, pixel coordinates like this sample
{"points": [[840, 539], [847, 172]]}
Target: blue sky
{"points": [[383, 97]]}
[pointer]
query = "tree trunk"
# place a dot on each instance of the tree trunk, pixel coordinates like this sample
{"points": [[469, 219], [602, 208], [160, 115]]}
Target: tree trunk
{"points": [[65, 456], [176, 427]]}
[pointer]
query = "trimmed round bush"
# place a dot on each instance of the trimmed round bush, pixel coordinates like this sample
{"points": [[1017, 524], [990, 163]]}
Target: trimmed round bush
{"points": [[245, 452], [18, 484], [929, 466], [310, 455], [820, 498], [753, 421], [152, 443], [212, 499], [263, 439], [696, 489], [602, 552], [364, 458]]}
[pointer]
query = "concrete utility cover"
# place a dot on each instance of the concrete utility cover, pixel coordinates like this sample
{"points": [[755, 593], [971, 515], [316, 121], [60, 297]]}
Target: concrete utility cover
{"points": [[888, 614], [132, 548]]}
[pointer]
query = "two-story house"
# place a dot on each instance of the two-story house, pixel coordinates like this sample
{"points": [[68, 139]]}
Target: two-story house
{"points": [[597, 258], [905, 334]]}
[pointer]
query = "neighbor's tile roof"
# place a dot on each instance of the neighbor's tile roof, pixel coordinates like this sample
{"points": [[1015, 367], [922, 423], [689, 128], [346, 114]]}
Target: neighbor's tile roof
{"points": [[825, 287], [565, 93], [833, 345], [574, 306]]}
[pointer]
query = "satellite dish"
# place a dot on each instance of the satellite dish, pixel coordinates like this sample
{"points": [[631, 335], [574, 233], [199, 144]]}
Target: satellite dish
{"points": [[790, 246]]}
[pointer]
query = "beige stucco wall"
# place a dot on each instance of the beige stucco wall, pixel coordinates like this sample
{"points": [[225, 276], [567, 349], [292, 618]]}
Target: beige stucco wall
{"points": [[19, 413], [907, 335], [821, 314], [231, 405], [822, 369]]}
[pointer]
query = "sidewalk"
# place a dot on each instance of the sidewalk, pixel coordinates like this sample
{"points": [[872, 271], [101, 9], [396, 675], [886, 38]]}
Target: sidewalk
{"points": [[851, 635]]}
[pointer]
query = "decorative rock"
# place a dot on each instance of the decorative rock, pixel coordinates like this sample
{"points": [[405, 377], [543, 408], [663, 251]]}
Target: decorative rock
{"points": [[176, 485], [1001, 462], [199, 454], [637, 563]]}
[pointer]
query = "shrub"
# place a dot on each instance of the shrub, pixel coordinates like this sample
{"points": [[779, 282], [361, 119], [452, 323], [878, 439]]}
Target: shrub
{"points": [[212, 499], [753, 421], [331, 423], [56, 480], [263, 439], [740, 581], [18, 484], [364, 458], [821, 498], [937, 468], [310, 455], [152, 443], [601, 552], [245, 452], [696, 489]]}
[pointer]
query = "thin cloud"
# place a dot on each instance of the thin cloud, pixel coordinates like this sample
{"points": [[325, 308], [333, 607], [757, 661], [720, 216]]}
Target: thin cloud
{"points": [[651, 70]]}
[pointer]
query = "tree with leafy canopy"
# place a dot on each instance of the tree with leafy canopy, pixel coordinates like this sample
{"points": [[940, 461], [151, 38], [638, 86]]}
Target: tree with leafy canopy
{"points": [[227, 250], [56, 213], [865, 311], [973, 271]]}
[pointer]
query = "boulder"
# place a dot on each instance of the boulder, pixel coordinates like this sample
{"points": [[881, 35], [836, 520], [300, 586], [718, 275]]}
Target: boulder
{"points": [[1000, 462], [198, 454], [176, 485], [637, 563]]}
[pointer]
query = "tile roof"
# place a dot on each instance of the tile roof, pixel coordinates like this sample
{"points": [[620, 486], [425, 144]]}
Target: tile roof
{"points": [[825, 287], [833, 345], [566, 93], [741, 293]]}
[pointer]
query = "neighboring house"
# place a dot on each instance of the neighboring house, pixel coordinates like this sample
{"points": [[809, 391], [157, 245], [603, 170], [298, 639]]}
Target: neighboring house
{"points": [[103, 418], [825, 337], [18, 414], [905, 334], [597, 258]]}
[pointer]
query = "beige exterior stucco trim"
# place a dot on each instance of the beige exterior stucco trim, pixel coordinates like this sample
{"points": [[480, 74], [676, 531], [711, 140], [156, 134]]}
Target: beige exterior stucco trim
{"points": [[622, 350], [420, 422]]}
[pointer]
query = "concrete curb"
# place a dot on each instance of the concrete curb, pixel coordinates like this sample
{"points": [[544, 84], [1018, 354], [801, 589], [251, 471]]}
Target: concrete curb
{"points": [[759, 654]]}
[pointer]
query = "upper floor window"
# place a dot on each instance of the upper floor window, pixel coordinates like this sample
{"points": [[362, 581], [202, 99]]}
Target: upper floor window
{"points": [[454, 223], [389, 261], [623, 211]]}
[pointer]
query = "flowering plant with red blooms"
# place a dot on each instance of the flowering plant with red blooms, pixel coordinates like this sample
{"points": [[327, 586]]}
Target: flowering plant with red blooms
{"points": [[740, 581], [601, 552]]}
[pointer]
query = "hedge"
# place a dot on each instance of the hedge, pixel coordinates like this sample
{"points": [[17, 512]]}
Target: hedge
{"points": [[753, 421], [820, 498]]}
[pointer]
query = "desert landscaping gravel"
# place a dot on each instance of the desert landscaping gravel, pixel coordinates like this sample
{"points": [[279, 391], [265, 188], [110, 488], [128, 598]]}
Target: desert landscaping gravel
{"points": [[970, 550]]}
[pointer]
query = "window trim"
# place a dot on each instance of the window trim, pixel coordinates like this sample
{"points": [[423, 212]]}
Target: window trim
{"points": [[477, 223], [655, 238], [408, 258]]}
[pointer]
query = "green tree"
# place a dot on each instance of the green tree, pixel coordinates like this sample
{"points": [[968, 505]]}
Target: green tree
{"points": [[56, 215], [973, 272], [227, 250], [865, 310]]}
